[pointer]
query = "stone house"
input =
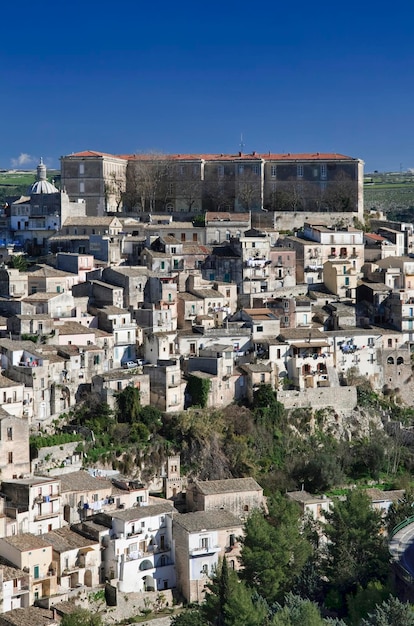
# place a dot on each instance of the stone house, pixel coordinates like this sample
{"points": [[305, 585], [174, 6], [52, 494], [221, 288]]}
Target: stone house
{"points": [[166, 385], [131, 279], [108, 384], [32, 616], [201, 539], [139, 552], [14, 446], [311, 505], [221, 226], [32, 554], [117, 322], [13, 283], [35, 504], [84, 495], [340, 278], [77, 560], [34, 324], [256, 374], [14, 587], [53, 304], [238, 496]]}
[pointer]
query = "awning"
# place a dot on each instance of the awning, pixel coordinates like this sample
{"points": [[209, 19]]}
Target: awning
{"points": [[310, 345]]}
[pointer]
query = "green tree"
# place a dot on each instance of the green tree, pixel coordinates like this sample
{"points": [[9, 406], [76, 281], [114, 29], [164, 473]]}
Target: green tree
{"points": [[365, 600], [151, 417], [368, 458], [81, 617], [319, 473], [19, 262], [274, 550], [230, 602], [400, 510], [244, 607], [193, 617], [356, 551], [128, 404], [198, 389], [391, 613], [298, 611]]}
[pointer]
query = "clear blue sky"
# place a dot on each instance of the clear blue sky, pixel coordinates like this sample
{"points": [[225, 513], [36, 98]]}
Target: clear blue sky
{"points": [[188, 76]]}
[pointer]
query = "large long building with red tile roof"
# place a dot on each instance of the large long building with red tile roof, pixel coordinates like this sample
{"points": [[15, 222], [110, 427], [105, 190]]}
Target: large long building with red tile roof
{"points": [[196, 183]]}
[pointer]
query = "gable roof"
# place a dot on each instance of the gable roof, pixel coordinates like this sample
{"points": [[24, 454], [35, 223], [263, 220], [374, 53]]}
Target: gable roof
{"points": [[207, 520], [229, 485], [83, 481], [64, 539]]}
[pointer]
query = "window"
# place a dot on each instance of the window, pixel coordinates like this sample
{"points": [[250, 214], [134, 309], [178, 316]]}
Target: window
{"points": [[371, 342], [273, 171], [162, 265], [10, 457], [389, 343], [182, 236], [220, 171], [323, 171], [173, 250], [299, 171], [259, 329], [81, 187], [241, 169], [81, 168], [195, 237], [262, 378], [204, 543], [346, 281], [10, 434], [255, 169], [204, 569]]}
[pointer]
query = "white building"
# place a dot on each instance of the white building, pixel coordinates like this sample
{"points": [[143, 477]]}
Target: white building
{"points": [[139, 552]]}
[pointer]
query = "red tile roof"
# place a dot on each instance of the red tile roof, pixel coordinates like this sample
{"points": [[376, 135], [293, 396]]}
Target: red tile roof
{"points": [[315, 156]]}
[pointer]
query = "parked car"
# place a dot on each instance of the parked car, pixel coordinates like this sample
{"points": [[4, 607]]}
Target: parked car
{"points": [[129, 364]]}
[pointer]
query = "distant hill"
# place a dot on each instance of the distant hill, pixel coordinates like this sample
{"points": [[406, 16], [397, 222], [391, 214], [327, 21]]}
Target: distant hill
{"points": [[391, 192], [14, 183]]}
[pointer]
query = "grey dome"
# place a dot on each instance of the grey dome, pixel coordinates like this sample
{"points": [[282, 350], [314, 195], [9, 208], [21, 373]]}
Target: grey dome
{"points": [[42, 185]]}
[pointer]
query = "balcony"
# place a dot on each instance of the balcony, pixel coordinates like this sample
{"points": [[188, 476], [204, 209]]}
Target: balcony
{"points": [[135, 533], [204, 550], [46, 498], [39, 518]]}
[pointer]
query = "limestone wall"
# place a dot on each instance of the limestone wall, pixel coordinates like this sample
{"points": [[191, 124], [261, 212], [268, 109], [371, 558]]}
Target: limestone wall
{"points": [[342, 398]]}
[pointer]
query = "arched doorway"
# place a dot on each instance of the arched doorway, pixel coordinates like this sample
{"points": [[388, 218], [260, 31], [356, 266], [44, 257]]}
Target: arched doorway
{"points": [[148, 583], [88, 578]]}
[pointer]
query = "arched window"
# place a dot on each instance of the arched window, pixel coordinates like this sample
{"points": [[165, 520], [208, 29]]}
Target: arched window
{"points": [[400, 360], [390, 360]]}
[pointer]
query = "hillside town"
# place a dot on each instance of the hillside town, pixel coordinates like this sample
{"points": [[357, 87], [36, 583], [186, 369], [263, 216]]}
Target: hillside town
{"points": [[196, 280]]}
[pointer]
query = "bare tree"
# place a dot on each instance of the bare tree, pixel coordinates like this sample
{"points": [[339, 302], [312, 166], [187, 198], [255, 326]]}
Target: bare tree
{"points": [[341, 194], [147, 181], [287, 196], [249, 190], [188, 184]]}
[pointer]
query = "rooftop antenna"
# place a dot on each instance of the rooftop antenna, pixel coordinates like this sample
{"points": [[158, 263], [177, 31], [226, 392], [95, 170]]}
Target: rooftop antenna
{"points": [[242, 144]]}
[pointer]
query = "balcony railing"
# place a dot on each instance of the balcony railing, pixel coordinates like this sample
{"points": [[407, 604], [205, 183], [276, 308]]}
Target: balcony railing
{"points": [[204, 550]]}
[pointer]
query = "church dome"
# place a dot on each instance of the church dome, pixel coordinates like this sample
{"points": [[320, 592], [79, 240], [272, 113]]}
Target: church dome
{"points": [[42, 185]]}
